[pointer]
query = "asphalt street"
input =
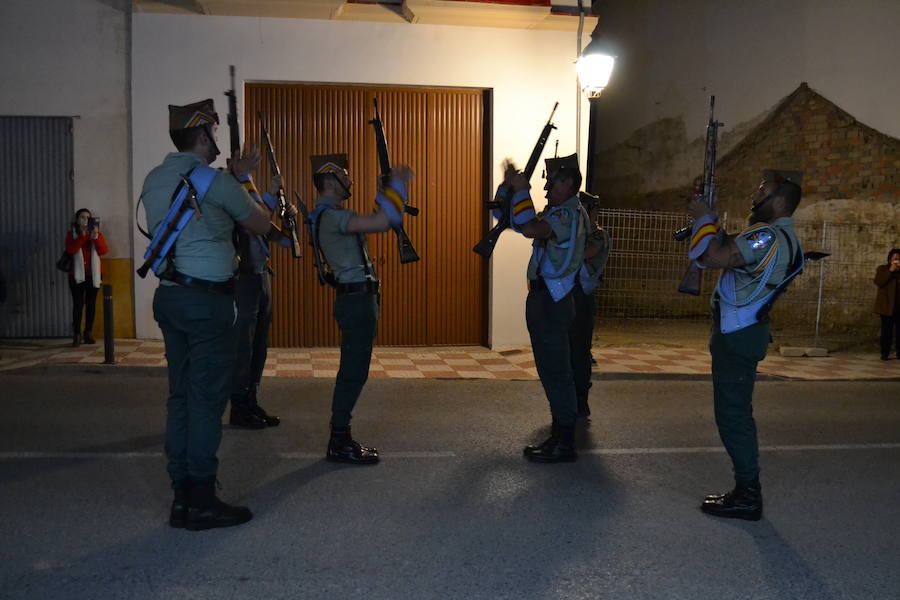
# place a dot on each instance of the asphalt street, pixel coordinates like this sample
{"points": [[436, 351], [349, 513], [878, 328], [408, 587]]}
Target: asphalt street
{"points": [[453, 510]]}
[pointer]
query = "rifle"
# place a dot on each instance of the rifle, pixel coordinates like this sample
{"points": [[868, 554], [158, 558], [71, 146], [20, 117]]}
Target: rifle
{"points": [[486, 246], [404, 245], [235, 133], [289, 225], [693, 277]]}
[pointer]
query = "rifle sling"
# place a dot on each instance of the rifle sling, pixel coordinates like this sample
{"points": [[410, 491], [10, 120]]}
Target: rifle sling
{"points": [[326, 275]]}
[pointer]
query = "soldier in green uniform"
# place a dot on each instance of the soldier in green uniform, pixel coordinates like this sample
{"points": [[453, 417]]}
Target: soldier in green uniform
{"points": [[757, 265], [254, 303], [194, 307], [557, 255], [596, 254], [342, 258]]}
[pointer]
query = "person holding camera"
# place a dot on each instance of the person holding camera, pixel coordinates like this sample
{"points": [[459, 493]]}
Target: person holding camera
{"points": [[84, 239], [887, 303]]}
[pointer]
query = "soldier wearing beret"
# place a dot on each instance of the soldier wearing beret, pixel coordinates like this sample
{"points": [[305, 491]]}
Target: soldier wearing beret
{"points": [[557, 255], [194, 307], [757, 264], [339, 238]]}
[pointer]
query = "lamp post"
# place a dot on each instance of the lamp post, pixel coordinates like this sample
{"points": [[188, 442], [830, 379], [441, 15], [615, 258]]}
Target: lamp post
{"points": [[594, 68]]}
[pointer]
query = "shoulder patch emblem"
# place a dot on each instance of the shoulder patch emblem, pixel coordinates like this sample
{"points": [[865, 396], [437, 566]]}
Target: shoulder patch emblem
{"points": [[759, 239], [563, 216]]}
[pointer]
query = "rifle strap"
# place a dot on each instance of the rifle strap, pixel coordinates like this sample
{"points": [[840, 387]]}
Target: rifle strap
{"points": [[137, 207], [326, 275]]}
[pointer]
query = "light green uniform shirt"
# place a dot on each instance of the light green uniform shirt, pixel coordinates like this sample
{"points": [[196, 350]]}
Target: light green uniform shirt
{"points": [[759, 245], [560, 219], [341, 248], [205, 248]]}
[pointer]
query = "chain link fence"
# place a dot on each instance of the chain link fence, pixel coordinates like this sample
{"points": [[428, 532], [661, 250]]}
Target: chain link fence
{"points": [[829, 305]]}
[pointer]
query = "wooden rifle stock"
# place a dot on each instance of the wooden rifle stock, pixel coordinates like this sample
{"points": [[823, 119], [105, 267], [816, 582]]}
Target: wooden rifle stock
{"points": [[287, 222], [404, 245], [485, 247]]}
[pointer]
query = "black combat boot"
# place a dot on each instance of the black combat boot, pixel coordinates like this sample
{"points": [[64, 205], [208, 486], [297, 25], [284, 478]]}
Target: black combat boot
{"points": [[88, 337], [343, 448], [559, 447], [259, 411], [743, 502], [584, 411], [245, 418], [269, 420], [206, 511], [178, 514]]}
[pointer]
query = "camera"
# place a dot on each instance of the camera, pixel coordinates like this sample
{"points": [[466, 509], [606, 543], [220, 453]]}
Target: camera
{"points": [[92, 223]]}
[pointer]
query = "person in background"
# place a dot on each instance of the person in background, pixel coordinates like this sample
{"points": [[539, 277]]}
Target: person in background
{"points": [[887, 303], [581, 333], [254, 306], [84, 239]]}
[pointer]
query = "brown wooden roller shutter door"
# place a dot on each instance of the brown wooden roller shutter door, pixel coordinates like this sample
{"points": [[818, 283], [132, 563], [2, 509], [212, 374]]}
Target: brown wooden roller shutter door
{"points": [[440, 133]]}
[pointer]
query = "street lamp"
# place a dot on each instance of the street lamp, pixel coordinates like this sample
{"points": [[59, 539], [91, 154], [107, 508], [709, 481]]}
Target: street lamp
{"points": [[594, 68]]}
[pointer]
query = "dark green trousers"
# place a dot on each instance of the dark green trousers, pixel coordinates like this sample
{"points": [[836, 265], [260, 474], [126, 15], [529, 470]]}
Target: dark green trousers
{"points": [[357, 317], [254, 305], [581, 336], [734, 359], [198, 329], [548, 326]]}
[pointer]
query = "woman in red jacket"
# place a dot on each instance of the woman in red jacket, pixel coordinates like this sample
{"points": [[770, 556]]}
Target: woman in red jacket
{"points": [[84, 240]]}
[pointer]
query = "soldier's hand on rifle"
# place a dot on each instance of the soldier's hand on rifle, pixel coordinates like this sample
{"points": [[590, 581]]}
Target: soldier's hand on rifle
{"points": [[697, 209], [513, 177], [247, 162], [402, 172], [290, 210], [519, 182], [393, 197], [277, 184]]}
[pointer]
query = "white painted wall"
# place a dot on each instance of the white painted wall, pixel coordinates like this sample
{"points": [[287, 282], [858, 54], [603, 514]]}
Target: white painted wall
{"points": [[63, 58], [673, 55], [180, 59]]}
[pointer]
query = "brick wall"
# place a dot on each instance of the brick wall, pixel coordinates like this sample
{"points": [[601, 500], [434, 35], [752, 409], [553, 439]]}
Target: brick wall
{"points": [[851, 182], [840, 159]]}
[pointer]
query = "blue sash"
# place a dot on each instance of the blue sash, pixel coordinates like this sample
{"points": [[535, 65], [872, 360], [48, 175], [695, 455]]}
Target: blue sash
{"points": [[735, 315], [201, 177], [558, 286]]}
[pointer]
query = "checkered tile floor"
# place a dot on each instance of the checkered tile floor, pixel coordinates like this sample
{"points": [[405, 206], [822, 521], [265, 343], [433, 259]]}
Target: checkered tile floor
{"points": [[481, 363]]}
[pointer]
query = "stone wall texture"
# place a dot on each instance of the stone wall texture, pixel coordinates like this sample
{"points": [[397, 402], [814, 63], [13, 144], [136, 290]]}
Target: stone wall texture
{"points": [[851, 188]]}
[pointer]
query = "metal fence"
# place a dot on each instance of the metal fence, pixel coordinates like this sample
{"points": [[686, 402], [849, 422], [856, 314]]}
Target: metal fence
{"points": [[829, 305]]}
